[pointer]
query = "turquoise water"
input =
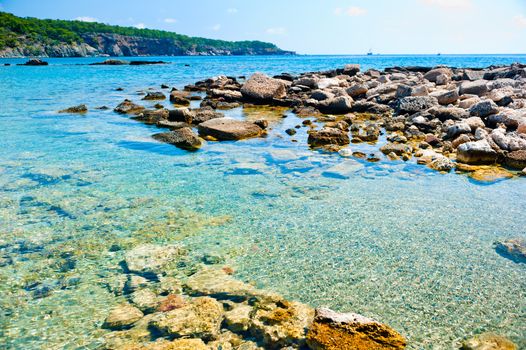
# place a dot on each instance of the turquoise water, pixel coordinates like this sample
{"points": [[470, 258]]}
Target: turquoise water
{"points": [[391, 240]]}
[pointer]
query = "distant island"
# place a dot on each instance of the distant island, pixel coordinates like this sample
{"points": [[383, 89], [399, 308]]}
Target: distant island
{"points": [[21, 37]]}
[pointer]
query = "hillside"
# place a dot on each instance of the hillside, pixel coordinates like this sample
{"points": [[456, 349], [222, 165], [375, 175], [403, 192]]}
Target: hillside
{"points": [[60, 38]]}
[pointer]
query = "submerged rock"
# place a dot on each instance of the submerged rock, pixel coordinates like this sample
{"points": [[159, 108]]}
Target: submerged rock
{"points": [[218, 284], [75, 109], [122, 317], [183, 138], [490, 174], [229, 129], [513, 247], [328, 136], [262, 88], [128, 107], [149, 259], [488, 341], [334, 331]]}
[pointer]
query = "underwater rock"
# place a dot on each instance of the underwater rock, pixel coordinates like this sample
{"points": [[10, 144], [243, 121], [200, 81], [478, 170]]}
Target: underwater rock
{"points": [[333, 331], [344, 169], [218, 284], [145, 300], [75, 109], [150, 259], [122, 317], [490, 174], [238, 318], [183, 138], [171, 302], [328, 136], [200, 318], [488, 341], [229, 129], [128, 107], [514, 248]]}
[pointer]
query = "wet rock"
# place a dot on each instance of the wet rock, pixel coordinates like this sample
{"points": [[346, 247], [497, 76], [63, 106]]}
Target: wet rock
{"points": [[75, 109], [145, 63], [262, 88], [238, 318], [442, 164], [201, 318], [150, 116], [110, 62], [229, 129], [328, 136], [476, 152], [483, 109], [343, 170], [516, 159], [280, 323], [336, 105], [334, 331], [128, 107], [291, 131], [145, 300], [413, 104], [513, 247], [150, 259], [490, 175], [488, 341], [184, 115], [218, 284], [154, 95], [179, 98], [183, 138], [397, 148], [171, 302], [122, 317], [478, 87], [34, 62], [164, 344]]}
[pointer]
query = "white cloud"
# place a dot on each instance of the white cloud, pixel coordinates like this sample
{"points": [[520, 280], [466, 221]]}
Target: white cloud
{"points": [[216, 28], [520, 21], [170, 20], [449, 4], [232, 10], [140, 25], [352, 11], [86, 19], [276, 31]]}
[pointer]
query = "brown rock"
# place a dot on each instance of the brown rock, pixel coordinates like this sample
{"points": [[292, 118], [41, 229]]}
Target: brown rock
{"points": [[490, 175], [516, 159], [328, 136], [334, 331], [122, 317], [263, 88], [513, 247], [128, 107], [488, 341], [229, 129], [80, 109], [183, 138]]}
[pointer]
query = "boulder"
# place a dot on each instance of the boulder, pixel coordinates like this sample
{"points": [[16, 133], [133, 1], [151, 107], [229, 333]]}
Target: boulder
{"points": [[229, 129], [35, 62], [448, 113], [204, 114], [476, 152], [128, 107], [262, 88], [154, 95], [510, 118], [179, 98], [183, 138], [483, 109], [357, 90], [516, 159], [413, 104], [184, 115], [473, 75], [335, 331], [447, 97], [321, 95], [457, 129], [201, 318], [514, 248], [478, 87], [508, 142], [122, 317], [145, 300], [227, 95], [218, 284], [397, 148], [150, 259], [336, 105], [433, 74], [152, 116], [328, 136], [75, 109], [351, 69]]}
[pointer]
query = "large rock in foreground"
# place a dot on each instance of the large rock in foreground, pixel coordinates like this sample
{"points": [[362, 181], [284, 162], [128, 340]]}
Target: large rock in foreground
{"points": [[183, 138], [263, 88], [479, 152], [334, 331], [229, 129]]}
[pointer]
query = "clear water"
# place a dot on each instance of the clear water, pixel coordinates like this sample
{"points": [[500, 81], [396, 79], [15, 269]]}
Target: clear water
{"points": [[392, 240]]}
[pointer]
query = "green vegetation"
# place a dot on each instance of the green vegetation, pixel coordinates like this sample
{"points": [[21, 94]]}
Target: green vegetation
{"points": [[16, 31]]}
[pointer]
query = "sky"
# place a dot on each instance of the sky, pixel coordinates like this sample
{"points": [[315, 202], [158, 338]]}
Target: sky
{"points": [[315, 27]]}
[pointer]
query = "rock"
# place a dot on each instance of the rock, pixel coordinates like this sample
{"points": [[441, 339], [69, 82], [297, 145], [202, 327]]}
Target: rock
{"points": [[334, 331], [128, 107], [413, 104], [473, 75], [351, 69], [474, 123], [218, 284], [442, 164], [488, 341], [184, 115], [291, 131], [145, 63], [490, 175], [510, 118], [514, 248], [150, 259], [321, 95], [396, 148], [281, 323], [149, 116], [35, 62], [75, 109], [448, 113], [328, 136], [477, 152], [516, 159], [326, 83], [177, 344], [357, 90], [154, 95], [343, 170], [110, 62], [122, 317], [457, 129], [447, 97], [443, 79], [483, 109], [460, 140], [227, 95], [183, 138], [238, 319], [145, 300], [171, 302], [467, 103], [336, 105], [433, 74], [508, 142], [262, 88], [478, 87], [262, 123], [229, 129], [201, 318], [179, 98]]}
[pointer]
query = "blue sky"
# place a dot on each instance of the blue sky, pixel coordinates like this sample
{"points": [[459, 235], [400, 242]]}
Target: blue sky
{"points": [[315, 27]]}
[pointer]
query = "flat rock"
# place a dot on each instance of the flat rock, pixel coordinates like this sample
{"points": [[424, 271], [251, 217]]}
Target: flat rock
{"points": [[154, 95], [344, 169], [229, 129], [328, 136], [122, 317], [183, 138], [128, 107], [263, 88], [514, 248], [218, 284], [477, 87], [145, 300], [335, 331], [80, 109], [152, 259], [490, 175], [488, 341]]}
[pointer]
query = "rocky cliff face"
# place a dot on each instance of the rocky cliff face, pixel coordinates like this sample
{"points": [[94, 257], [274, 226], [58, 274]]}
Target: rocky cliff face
{"points": [[97, 44]]}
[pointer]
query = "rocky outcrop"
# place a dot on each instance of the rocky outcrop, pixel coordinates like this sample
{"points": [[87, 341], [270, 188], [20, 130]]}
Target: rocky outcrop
{"points": [[80, 109]]}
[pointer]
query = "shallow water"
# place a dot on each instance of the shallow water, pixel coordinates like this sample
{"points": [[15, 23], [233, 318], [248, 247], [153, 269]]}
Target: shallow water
{"points": [[391, 240]]}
